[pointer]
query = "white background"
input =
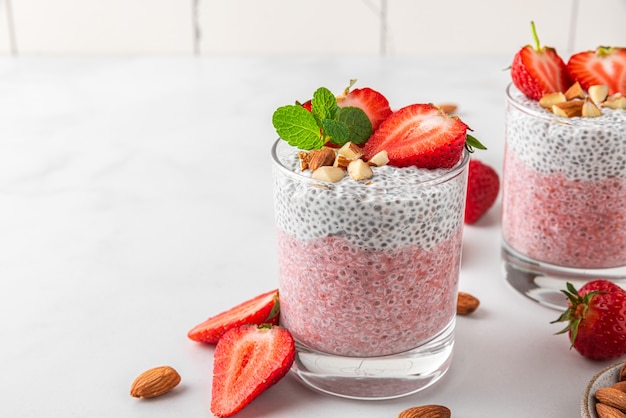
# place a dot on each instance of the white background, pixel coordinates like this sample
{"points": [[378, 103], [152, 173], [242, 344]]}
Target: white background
{"points": [[203, 27]]}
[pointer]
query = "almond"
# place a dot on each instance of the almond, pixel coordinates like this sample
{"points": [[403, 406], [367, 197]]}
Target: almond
{"points": [[351, 151], [328, 174], [568, 109], [359, 170], [550, 99], [447, 107], [615, 101], [341, 162], [321, 157], [605, 411], [612, 397], [154, 382], [466, 304], [590, 110], [598, 93], [426, 411], [379, 159], [575, 92], [622, 372], [305, 158], [621, 385]]}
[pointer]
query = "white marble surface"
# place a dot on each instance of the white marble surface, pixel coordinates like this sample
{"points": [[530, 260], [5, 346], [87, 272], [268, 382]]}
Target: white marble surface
{"points": [[136, 201]]}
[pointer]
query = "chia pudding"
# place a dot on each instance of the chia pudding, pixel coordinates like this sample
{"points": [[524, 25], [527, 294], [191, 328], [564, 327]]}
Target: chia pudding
{"points": [[564, 192], [368, 268]]}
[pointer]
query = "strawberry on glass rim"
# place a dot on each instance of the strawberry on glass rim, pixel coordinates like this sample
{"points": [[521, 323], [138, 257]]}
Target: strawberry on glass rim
{"points": [[539, 70], [604, 66], [372, 102], [421, 135]]}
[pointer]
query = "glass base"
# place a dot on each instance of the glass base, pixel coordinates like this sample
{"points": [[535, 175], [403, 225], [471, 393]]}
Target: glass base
{"points": [[543, 282], [376, 378]]}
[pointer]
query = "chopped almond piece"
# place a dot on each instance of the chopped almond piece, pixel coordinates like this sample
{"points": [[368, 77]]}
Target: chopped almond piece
{"points": [[359, 170], [341, 162], [321, 157], [447, 107], [550, 99], [598, 93], [379, 159], [351, 151], [615, 101], [590, 110], [568, 109], [328, 174], [305, 157], [575, 92]]}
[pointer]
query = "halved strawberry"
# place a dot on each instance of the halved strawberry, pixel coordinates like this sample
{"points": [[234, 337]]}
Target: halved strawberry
{"points": [[262, 309], [540, 70], [373, 103], [419, 135], [605, 65], [247, 361]]}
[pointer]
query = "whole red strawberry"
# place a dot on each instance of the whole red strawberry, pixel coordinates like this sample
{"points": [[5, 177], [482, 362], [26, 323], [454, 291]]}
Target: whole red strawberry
{"points": [[247, 361], [538, 70], [597, 319], [483, 185], [605, 65], [262, 309]]}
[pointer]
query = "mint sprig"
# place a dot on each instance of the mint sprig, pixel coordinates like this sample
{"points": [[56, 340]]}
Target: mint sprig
{"points": [[327, 122]]}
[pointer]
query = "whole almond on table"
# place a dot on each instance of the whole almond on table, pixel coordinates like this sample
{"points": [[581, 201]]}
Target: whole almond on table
{"points": [[622, 372], [426, 411], [154, 382], [466, 304]]}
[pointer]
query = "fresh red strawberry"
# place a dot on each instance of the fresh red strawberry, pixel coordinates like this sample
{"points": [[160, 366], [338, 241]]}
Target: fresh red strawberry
{"points": [[373, 103], [597, 319], [539, 70], [420, 135], [263, 309], [247, 361], [483, 185], [605, 65]]}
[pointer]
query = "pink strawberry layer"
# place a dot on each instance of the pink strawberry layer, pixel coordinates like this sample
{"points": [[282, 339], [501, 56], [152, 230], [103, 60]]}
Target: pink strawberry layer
{"points": [[341, 299], [579, 224]]}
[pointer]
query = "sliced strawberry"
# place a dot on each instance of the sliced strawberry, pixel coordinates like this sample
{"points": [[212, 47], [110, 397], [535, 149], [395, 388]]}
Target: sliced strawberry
{"points": [[605, 65], [540, 70], [308, 105], [419, 135], [483, 185], [247, 361], [263, 309], [373, 103]]}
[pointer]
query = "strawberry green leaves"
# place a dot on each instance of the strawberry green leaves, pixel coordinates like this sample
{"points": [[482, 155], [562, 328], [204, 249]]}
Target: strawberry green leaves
{"points": [[326, 122]]}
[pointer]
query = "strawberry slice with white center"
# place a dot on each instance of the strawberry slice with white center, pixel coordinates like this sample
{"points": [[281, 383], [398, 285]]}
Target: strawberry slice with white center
{"points": [[247, 361], [262, 309], [539, 70], [419, 135], [605, 65], [373, 103]]}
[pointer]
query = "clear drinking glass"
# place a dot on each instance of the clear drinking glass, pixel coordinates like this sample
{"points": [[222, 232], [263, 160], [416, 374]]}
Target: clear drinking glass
{"points": [[564, 199], [368, 275]]}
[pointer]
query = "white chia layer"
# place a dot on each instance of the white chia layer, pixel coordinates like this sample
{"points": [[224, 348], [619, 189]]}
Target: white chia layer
{"points": [[579, 148], [397, 207]]}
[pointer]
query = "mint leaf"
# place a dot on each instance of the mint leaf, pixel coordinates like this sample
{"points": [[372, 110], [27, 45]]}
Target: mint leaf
{"points": [[335, 131], [298, 127], [324, 104], [357, 123]]}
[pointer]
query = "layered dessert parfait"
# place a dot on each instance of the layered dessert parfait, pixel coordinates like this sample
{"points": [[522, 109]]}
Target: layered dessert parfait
{"points": [[564, 200], [564, 183], [369, 207]]}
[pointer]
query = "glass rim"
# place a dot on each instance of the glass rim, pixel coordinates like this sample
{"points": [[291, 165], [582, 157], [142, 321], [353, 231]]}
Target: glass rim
{"points": [[447, 173], [548, 117]]}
